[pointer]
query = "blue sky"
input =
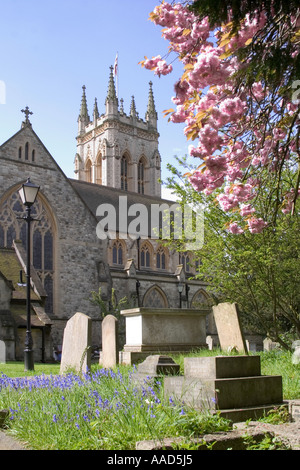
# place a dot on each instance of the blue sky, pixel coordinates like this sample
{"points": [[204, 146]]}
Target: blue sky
{"points": [[50, 48]]}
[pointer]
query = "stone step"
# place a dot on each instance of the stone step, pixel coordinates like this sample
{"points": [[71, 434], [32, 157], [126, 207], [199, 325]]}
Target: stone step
{"points": [[237, 415], [248, 391], [220, 367], [222, 394]]}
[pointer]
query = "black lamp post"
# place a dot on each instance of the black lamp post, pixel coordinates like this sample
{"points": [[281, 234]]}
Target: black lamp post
{"points": [[137, 288], [28, 193], [180, 290]]}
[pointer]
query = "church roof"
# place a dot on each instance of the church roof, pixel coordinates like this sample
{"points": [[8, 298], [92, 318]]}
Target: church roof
{"points": [[10, 268], [94, 195]]}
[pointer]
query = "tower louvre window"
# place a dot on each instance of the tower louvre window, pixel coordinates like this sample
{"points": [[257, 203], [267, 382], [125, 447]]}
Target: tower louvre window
{"points": [[141, 177], [124, 173], [26, 150]]}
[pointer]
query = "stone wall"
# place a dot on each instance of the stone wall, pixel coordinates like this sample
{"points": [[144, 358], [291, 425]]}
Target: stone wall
{"points": [[77, 249]]}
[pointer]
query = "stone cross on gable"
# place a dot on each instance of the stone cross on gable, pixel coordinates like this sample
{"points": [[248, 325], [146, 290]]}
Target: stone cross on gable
{"points": [[26, 112]]}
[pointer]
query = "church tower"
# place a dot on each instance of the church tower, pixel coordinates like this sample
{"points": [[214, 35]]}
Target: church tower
{"points": [[116, 149]]}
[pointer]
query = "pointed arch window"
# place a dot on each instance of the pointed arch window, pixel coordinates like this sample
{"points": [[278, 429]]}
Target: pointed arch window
{"points": [[184, 259], [99, 169], [145, 256], [13, 227], [155, 298], [26, 150], [124, 173], [88, 171], [141, 176], [117, 253], [161, 258]]}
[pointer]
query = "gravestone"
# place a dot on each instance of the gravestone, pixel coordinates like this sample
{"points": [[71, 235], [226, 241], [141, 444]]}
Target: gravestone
{"points": [[227, 321], [296, 353], [151, 331], [158, 365], [76, 348], [229, 385], [110, 351], [2, 352]]}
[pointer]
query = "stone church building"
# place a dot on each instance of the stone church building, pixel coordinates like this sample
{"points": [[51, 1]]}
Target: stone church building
{"points": [[117, 170]]}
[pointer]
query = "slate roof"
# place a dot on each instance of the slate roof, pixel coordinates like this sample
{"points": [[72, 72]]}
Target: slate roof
{"points": [[10, 267], [94, 195]]}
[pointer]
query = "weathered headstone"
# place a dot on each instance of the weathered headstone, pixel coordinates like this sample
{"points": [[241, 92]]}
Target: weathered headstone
{"points": [[162, 330], [110, 351], [76, 348], [230, 385], [296, 353], [158, 365], [227, 321], [2, 351]]}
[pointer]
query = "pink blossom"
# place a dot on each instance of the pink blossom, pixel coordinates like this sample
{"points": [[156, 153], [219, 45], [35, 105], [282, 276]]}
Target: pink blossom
{"points": [[258, 91], [180, 115], [235, 229], [227, 201], [233, 107], [181, 89], [159, 65], [246, 209], [163, 68], [236, 138], [256, 225], [216, 164], [278, 133]]}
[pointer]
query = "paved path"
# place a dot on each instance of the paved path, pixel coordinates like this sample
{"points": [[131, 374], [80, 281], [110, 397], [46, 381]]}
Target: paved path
{"points": [[9, 443]]}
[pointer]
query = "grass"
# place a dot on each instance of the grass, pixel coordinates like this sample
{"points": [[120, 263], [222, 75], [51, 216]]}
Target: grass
{"points": [[107, 409], [16, 369]]}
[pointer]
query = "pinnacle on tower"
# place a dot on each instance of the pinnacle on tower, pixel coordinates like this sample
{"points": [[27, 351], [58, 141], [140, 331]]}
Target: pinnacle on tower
{"points": [[96, 112], [133, 108], [83, 114], [151, 111], [111, 93]]}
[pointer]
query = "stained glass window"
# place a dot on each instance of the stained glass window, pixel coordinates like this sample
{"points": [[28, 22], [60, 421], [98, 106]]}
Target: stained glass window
{"points": [[13, 227], [155, 298], [141, 179], [124, 173], [117, 253], [37, 251], [160, 258]]}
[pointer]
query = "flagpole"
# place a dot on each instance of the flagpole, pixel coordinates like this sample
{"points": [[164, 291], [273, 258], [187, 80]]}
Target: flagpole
{"points": [[116, 73]]}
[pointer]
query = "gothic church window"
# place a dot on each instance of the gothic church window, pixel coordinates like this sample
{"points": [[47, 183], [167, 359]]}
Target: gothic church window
{"points": [[141, 176], [20, 153], [155, 298], [42, 238], [26, 150], [88, 171], [33, 155], [117, 253], [145, 256], [184, 259], [99, 169], [124, 173], [161, 258]]}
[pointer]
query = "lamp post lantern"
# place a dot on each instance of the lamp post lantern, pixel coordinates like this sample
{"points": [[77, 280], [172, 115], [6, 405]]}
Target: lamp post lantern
{"points": [[180, 290], [28, 193]]}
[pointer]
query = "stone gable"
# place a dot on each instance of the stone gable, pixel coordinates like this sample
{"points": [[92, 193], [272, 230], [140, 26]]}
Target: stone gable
{"points": [[77, 250]]}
